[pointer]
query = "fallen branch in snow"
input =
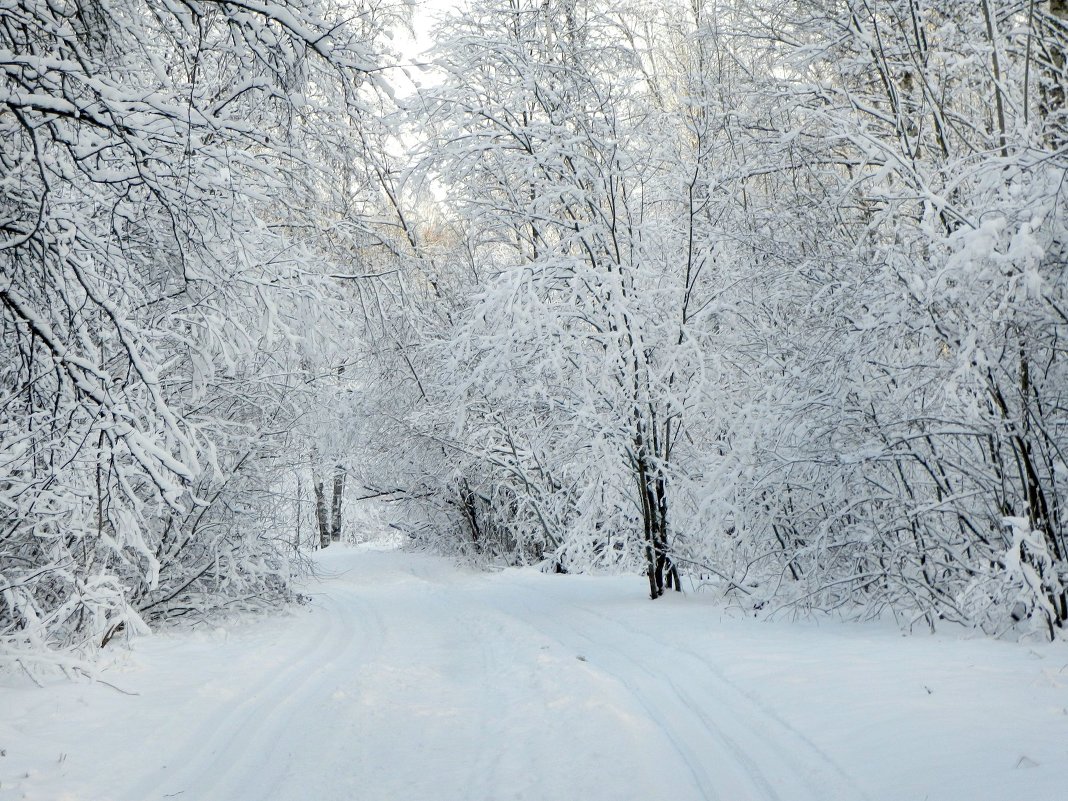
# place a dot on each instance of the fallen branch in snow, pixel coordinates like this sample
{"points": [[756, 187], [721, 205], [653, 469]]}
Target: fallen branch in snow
{"points": [[97, 680], [733, 585]]}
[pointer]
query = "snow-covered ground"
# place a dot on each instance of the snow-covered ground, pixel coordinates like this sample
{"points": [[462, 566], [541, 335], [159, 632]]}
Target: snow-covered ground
{"points": [[408, 679]]}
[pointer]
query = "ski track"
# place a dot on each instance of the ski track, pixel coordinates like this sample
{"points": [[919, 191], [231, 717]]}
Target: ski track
{"points": [[754, 726], [221, 758], [678, 738], [409, 679], [491, 689], [730, 745], [242, 771], [733, 750]]}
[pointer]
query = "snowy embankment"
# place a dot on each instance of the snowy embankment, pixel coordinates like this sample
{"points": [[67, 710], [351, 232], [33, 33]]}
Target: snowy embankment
{"points": [[410, 680]]}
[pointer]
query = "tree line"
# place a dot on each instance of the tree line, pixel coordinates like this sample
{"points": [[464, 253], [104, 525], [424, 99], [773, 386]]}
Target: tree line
{"points": [[763, 298], [769, 297]]}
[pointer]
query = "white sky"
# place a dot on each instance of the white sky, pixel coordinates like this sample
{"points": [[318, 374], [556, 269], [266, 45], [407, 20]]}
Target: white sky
{"points": [[424, 15], [413, 44]]}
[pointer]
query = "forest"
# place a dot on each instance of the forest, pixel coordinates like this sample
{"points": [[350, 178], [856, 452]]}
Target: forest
{"points": [[766, 299]]}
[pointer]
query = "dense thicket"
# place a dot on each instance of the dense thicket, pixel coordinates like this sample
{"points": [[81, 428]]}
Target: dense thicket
{"points": [[772, 295], [766, 297], [176, 180]]}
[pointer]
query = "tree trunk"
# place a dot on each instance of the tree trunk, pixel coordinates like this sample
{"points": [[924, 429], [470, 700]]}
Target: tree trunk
{"points": [[300, 514], [335, 509], [321, 513], [660, 569]]}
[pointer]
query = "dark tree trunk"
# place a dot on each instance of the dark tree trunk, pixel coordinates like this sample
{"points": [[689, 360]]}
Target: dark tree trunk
{"points": [[660, 569]]}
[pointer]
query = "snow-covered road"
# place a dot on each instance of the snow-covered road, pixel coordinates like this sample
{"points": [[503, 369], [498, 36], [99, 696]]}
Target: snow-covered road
{"points": [[408, 679]]}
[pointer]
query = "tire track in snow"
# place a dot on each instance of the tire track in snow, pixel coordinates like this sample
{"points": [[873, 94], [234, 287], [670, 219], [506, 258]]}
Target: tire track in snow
{"points": [[477, 651], [255, 770], [690, 724], [680, 740], [710, 756], [216, 748], [742, 706], [485, 760]]}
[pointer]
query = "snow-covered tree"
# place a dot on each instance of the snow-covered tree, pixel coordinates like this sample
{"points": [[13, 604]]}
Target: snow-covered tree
{"points": [[168, 219], [773, 290], [899, 185]]}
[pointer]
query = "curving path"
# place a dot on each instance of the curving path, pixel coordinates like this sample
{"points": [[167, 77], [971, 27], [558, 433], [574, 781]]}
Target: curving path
{"points": [[408, 679], [411, 679]]}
